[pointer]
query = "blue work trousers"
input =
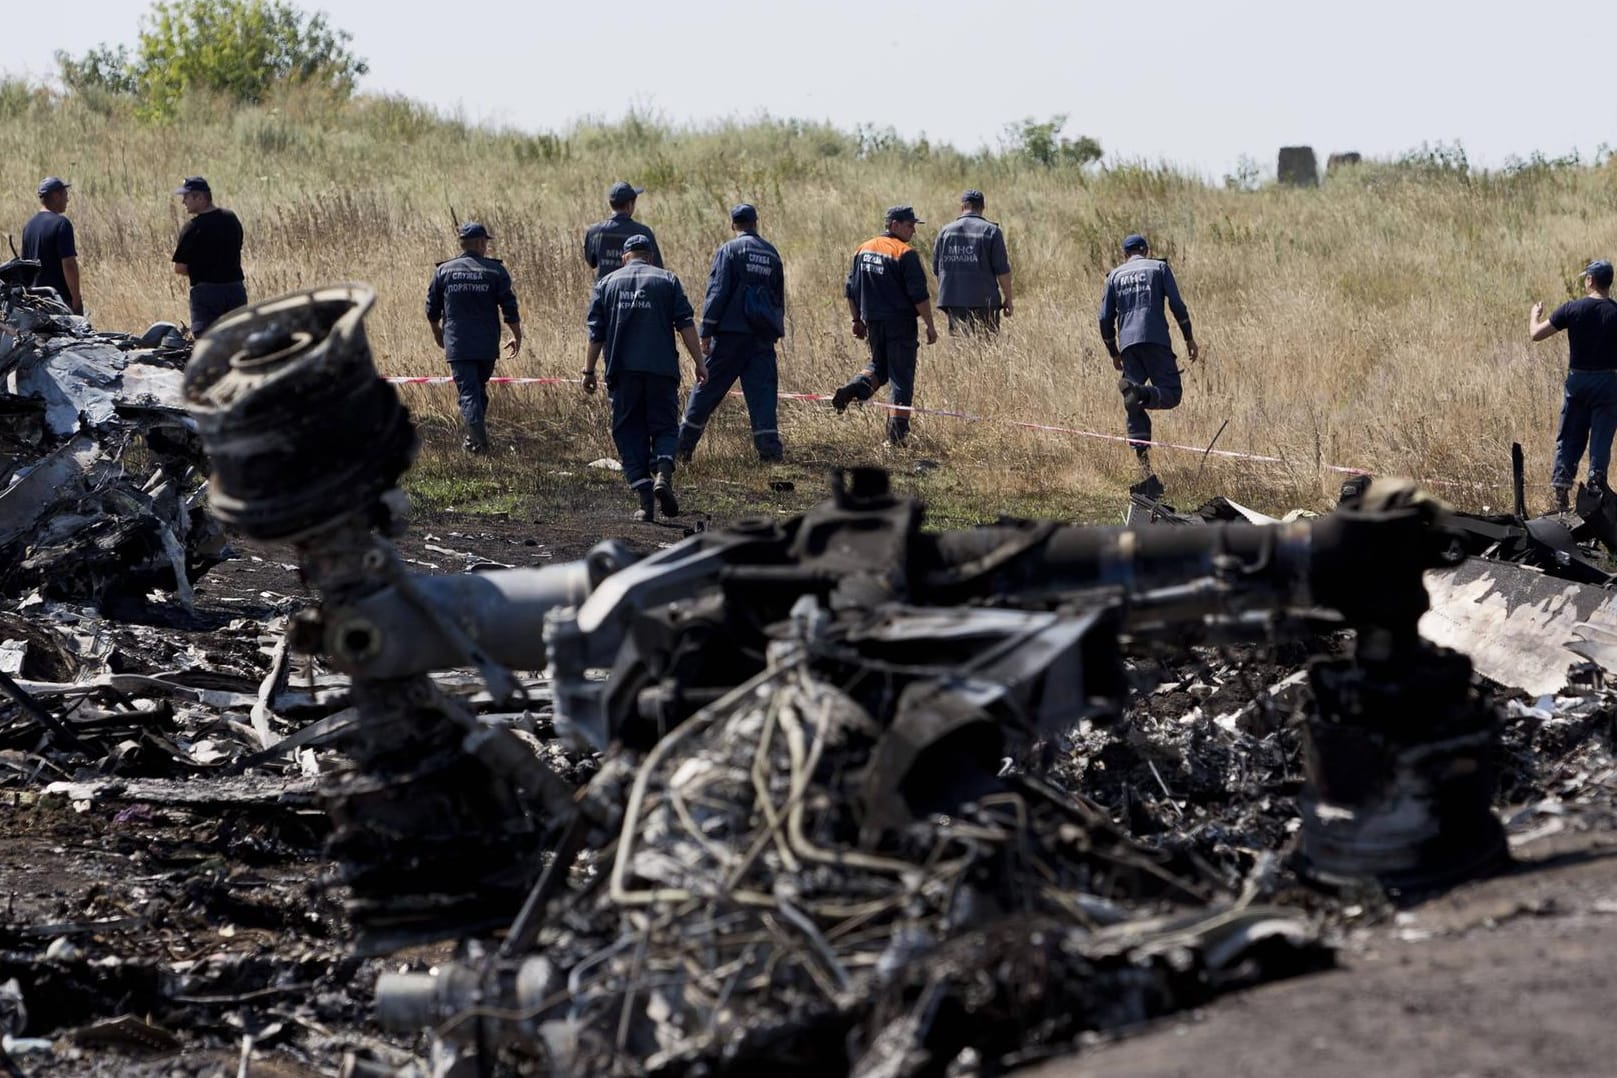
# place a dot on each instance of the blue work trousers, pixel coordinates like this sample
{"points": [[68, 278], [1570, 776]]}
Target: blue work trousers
{"points": [[211, 301], [966, 321], [894, 345], [737, 356], [645, 422], [1588, 417], [1154, 367], [471, 379]]}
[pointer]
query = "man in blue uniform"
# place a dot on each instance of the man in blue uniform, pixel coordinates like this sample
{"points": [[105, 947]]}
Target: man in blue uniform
{"points": [[48, 237], [886, 292], [634, 314], [603, 241], [465, 301], [1136, 335], [742, 318], [209, 254], [1589, 403], [973, 270]]}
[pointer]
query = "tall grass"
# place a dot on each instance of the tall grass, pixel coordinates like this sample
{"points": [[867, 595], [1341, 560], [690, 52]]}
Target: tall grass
{"points": [[1376, 322]]}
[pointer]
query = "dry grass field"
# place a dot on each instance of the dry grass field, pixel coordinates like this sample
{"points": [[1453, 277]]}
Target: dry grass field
{"points": [[1376, 322]]}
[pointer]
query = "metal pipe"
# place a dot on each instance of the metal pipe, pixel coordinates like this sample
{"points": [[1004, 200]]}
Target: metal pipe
{"points": [[384, 635]]}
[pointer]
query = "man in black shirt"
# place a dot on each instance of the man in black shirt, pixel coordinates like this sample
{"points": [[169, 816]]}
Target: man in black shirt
{"points": [[48, 237], [209, 253], [1589, 403]]}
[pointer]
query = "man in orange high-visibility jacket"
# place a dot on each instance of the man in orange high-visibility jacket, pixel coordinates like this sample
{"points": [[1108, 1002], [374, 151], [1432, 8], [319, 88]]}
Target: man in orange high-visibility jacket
{"points": [[886, 292]]}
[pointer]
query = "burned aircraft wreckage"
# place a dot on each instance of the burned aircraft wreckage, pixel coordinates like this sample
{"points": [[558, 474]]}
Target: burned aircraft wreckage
{"points": [[812, 823], [799, 793], [100, 467]]}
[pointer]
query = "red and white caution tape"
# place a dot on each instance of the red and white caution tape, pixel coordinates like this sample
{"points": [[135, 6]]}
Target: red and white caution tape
{"points": [[444, 379], [1049, 428]]}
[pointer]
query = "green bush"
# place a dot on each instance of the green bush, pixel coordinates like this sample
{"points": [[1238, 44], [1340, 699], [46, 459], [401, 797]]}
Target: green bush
{"points": [[238, 49], [1043, 144], [102, 70]]}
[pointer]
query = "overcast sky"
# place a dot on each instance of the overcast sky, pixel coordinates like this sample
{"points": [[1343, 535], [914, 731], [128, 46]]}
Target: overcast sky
{"points": [[1195, 82]]}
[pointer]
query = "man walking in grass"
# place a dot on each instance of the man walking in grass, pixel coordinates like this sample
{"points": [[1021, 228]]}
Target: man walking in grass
{"points": [[209, 254], [633, 317], [1136, 335], [603, 241], [48, 238], [886, 292], [973, 270], [1589, 399], [743, 316], [465, 299]]}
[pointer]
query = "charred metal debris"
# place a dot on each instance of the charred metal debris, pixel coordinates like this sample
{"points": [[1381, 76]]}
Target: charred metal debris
{"points": [[101, 469], [815, 817], [828, 795]]}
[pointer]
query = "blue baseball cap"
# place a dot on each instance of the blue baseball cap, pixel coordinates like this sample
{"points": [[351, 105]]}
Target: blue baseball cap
{"points": [[971, 194], [193, 185], [903, 213], [637, 242], [1600, 270], [623, 191], [52, 183], [743, 212], [471, 230], [1134, 242]]}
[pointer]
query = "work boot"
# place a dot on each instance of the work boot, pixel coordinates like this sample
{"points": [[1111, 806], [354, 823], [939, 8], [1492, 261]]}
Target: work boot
{"points": [[1563, 503], [1134, 395], [844, 394], [664, 489], [476, 438], [648, 508]]}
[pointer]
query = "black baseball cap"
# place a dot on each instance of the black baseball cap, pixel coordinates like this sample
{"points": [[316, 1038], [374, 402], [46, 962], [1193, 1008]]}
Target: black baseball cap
{"points": [[743, 212], [903, 213], [193, 185], [52, 183], [1134, 242], [1600, 270], [971, 194], [637, 242], [471, 230], [623, 191]]}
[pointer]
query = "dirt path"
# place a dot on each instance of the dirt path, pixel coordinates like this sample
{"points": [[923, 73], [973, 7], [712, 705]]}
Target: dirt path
{"points": [[1505, 978]]}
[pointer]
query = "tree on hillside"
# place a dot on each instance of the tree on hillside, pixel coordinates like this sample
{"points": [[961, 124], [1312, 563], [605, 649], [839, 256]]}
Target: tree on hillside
{"points": [[241, 48], [1042, 143]]}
